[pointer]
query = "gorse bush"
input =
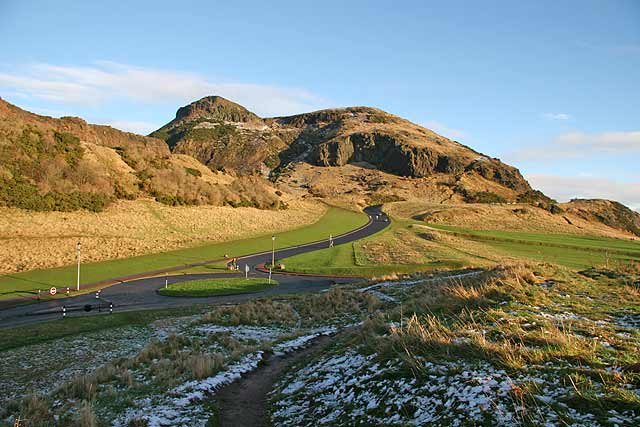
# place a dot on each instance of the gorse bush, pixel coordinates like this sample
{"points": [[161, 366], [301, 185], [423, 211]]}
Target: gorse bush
{"points": [[24, 195]]}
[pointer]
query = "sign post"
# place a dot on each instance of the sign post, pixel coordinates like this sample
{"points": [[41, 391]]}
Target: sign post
{"points": [[78, 279], [273, 251], [52, 291]]}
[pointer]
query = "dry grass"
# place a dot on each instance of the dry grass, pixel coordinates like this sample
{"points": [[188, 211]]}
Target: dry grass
{"points": [[86, 417], [361, 185], [298, 310], [33, 240], [505, 217], [204, 365], [259, 312]]}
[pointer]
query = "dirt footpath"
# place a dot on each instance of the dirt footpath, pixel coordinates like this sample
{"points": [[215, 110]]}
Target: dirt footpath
{"points": [[244, 402]]}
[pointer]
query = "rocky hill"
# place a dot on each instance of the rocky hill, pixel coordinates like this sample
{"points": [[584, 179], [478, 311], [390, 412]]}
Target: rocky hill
{"points": [[608, 212], [225, 135], [67, 164]]}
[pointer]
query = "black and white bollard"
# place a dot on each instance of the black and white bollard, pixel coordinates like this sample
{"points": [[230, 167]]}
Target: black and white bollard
{"points": [[67, 291], [110, 308], [64, 312]]}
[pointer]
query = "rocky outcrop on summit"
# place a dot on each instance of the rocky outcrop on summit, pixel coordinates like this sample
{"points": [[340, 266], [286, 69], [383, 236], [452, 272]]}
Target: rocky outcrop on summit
{"points": [[215, 107], [223, 134]]}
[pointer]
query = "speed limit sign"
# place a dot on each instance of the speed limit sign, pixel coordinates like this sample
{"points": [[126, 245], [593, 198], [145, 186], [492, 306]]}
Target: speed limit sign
{"points": [[53, 291]]}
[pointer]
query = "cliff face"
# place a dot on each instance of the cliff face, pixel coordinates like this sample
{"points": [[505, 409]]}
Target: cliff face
{"points": [[390, 155], [222, 134]]}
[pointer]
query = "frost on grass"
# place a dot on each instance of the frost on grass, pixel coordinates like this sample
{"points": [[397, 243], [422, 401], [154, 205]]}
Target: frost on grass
{"points": [[501, 351], [354, 389], [41, 368], [183, 405]]}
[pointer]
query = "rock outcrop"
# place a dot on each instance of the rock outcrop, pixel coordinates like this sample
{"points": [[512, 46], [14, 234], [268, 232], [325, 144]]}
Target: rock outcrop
{"points": [[223, 134]]}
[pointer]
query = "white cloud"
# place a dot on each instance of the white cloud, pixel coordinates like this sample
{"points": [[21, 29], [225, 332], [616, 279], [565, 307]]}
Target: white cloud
{"points": [[103, 81], [557, 116], [141, 128], [606, 141], [580, 144], [445, 130], [564, 188]]}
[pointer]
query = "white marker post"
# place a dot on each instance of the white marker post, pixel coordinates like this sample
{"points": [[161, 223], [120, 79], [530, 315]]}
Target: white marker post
{"points": [[78, 280], [269, 276], [166, 280], [273, 251], [246, 271]]}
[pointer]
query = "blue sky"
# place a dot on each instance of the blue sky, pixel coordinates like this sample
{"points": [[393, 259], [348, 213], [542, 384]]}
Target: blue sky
{"points": [[552, 87]]}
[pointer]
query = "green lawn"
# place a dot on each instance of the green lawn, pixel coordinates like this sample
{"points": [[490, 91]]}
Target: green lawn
{"points": [[210, 287], [347, 259], [573, 258], [336, 221], [595, 243], [573, 251]]}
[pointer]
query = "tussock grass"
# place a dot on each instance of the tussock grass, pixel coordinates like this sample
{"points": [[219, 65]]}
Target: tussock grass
{"points": [[204, 365], [258, 312], [86, 416]]}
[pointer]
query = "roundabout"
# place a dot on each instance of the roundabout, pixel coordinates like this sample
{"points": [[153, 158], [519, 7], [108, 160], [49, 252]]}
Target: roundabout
{"points": [[144, 293]]}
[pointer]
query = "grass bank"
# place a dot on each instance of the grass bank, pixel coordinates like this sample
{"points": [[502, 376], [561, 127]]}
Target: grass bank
{"points": [[577, 252], [19, 336], [336, 221], [211, 287], [395, 250]]}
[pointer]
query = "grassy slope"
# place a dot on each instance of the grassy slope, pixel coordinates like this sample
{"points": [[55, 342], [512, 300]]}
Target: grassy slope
{"points": [[335, 221], [20, 336], [463, 247], [572, 251], [353, 259], [209, 287], [587, 242]]}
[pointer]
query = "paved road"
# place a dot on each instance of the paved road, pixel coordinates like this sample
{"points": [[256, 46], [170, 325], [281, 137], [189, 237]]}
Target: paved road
{"points": [[141, 294]]}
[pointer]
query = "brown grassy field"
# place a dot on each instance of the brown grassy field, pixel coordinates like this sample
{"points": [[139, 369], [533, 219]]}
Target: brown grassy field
{"points": [[33, 240]]}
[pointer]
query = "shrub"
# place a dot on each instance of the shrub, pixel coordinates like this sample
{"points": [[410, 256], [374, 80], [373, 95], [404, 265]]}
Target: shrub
{"points": [[194, 172], [126, 157], [22, 194], [69, 146], [483, 197]]}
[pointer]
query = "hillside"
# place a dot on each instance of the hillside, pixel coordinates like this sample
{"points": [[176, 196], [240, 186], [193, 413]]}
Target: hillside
{"points": [[608, 212], [225, 135], [67, 164]]}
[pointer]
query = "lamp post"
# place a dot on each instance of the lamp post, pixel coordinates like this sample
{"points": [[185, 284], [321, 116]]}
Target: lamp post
{"points": [[273, 252], [78, 279]]}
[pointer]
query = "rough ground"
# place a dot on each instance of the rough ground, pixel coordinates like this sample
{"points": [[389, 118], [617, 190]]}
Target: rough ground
{"points": [[245, 402]]}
